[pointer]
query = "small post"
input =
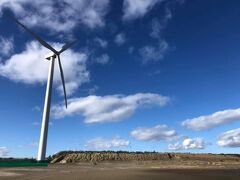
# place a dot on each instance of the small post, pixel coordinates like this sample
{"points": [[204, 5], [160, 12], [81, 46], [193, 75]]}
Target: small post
{"points": [[46, 112]]}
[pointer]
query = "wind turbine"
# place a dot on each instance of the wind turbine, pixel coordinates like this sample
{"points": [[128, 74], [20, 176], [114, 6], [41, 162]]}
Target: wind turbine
{"points": [[47, 104]]}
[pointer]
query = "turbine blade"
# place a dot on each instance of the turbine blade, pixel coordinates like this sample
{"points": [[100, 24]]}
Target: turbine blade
{"points": [[40, 40], [67, 45], [62, 77]]}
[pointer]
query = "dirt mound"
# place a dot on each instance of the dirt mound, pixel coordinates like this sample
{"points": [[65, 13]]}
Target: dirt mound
{"points": [[94, 157]]}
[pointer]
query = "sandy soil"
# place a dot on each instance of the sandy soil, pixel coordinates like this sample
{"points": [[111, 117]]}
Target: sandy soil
{"points": [[123, 171]]}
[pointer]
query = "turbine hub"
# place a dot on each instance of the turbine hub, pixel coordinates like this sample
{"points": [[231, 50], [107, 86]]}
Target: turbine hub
{"points": [[48, 56]]}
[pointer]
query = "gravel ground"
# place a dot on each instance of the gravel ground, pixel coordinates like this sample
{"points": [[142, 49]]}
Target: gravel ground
{"points": [[123, 171]]}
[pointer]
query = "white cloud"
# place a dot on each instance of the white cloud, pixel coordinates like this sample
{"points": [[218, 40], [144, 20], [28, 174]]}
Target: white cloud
{"points": [[131, 49], [155, 52], [212, 120], [175, 147], [196, 143], [151, 53], [120, 39], [157, 26], [101, 42], [29, 145], [133, 9], [36, 123], [112, 108], [154, 73], [188, 143], [30, 67], [93, 90], [103, 144], [6, 46], [4, 151], [63, 14], [103, 59], [230, 138], [157, 133], [32, 145], [36, 108]]}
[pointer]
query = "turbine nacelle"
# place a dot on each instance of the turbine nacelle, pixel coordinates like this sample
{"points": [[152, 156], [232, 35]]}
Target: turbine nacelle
{"points": [[49, 55]]}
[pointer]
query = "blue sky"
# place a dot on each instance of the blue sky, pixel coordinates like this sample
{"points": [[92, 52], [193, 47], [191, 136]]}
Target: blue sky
{"points": [[146, 75]]}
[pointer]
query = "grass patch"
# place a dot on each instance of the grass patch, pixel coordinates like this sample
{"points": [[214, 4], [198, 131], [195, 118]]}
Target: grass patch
{"points": [[22, 163]]}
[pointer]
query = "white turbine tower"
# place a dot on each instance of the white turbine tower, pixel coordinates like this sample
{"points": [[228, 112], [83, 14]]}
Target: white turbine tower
{"points": [[47, 103]]}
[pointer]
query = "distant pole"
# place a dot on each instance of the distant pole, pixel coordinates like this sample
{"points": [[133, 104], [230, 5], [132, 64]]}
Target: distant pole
{"points": [[46, 112]]}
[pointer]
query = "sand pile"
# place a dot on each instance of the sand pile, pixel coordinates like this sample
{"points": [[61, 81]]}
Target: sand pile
{"points": [[94, 157]]}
